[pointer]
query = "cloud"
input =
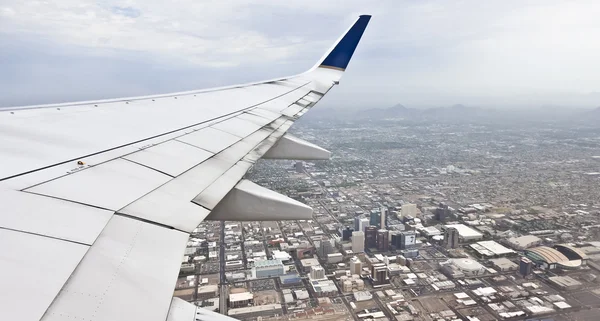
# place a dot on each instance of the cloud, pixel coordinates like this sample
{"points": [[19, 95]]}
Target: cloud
{"points": [[126, 11], [425, 53]]}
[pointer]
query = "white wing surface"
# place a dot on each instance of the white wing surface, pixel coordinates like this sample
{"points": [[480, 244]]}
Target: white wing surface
{"points": [[98, 198]]}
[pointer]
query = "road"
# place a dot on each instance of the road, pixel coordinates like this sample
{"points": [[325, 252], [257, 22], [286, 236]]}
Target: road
{"points": [[223, 287]]}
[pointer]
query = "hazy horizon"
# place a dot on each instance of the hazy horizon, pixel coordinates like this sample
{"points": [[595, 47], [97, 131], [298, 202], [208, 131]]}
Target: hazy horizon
{"points": [[425, 54]]}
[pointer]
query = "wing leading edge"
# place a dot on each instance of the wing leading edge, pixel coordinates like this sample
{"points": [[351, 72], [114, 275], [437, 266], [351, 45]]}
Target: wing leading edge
{"points": [[121, 192]]}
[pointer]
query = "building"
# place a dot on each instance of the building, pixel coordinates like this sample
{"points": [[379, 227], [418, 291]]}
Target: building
{"points": [[379, 274], [565, 282], [462, 267], [347, 233], [523, 242], [503, 264], [375, 219], [299, 166], [489, 249], [430, 231], [317, 273], [408, 240], [383, 220], [358, 241], [410, 253], [347, 286], [362, 296], [208, 291], [442, 212], [466, 233], [290, 279], [324, 287], [307, 264], [335, 258], [239, 300], [451, 238], [357, 223], [408, 210], [383, 242], [355, 266], [267, 268], [572, 253], [371, 237], [525, 266], [361, 223], [325, 247], [549, 258], [255, 311]]}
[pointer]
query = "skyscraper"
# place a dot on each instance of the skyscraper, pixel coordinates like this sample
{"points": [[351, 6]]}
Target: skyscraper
{"points": [[379, 274], [317, 272], [325, 247], [383, 242], [346, 234], [383, 219], [358, 241], [525, 266], [371, 237], [363, 223], [355, 266], [409, 210], [450, 238], [375, 219], [442, 212], [357, 223], [407, 240]]}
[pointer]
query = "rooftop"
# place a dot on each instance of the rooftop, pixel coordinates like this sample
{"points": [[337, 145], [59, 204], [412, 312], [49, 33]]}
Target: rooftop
{"points": [[465, 231], [496, 248], [267, 263]]}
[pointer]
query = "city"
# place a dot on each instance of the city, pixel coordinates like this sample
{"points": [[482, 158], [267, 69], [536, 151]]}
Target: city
{"points": [[415, 220]]}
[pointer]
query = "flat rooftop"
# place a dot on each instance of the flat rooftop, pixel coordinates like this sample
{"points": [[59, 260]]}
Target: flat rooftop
{"points": [[465, 231]]}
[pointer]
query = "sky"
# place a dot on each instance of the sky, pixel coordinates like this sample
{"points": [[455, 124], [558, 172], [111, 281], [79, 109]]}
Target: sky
{"points": [[499, 54]]}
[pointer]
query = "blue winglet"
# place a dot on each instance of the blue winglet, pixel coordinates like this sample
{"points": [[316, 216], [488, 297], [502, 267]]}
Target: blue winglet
{"points": [[340, 55]]}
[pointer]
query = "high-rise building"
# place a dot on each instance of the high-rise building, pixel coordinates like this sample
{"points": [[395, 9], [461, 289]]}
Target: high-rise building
{"points": [[317, 272], [375, 219], [357, 223], [355, 266], [525, 266], [383, 241], [299, 166], [325, 247], [442, 212], [379, 273], [408, 210], [371, 237], [358, 241], [450, 237], [383, 219], [363, 223], [408, 240], [346, 234]]}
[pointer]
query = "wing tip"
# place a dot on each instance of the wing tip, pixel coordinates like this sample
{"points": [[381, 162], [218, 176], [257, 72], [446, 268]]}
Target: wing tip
{"points": [[339, 56]]}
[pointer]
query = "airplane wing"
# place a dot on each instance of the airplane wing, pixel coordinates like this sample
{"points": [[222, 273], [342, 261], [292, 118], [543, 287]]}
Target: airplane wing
{"points": [[98, 198]]}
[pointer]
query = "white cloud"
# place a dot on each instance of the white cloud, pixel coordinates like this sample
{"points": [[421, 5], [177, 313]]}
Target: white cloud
{"points": [[421, 53]]}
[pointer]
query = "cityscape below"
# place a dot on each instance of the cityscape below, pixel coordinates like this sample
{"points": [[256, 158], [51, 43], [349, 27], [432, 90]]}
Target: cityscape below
{"points": [[416, 219]]}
